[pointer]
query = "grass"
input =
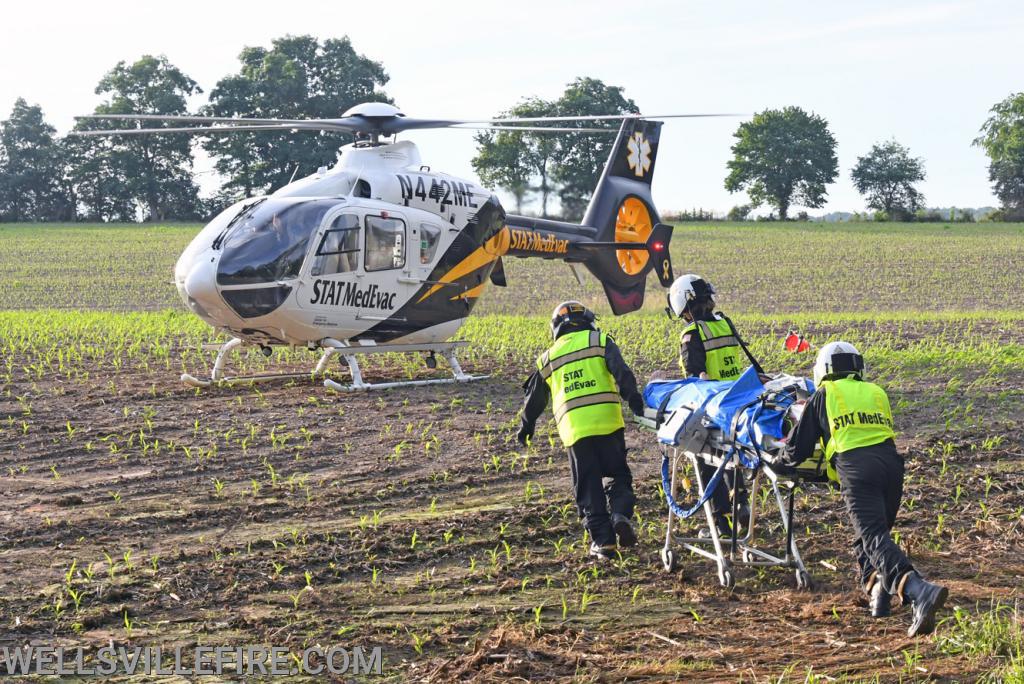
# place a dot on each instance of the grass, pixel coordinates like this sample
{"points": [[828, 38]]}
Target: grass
{"points": [[756, 267], [412, 519], [993, 634]]}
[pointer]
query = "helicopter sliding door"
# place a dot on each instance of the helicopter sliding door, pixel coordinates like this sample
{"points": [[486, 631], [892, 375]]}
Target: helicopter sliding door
{"points": [[359, 272]]}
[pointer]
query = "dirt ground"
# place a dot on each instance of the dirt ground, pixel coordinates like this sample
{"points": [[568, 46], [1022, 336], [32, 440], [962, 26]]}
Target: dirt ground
{"points": [[410, 519]]}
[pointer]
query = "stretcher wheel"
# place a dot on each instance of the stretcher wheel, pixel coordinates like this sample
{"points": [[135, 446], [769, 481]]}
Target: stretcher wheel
{"points": [[726, 577], [748, 557], [803, 580], [668, 560]]}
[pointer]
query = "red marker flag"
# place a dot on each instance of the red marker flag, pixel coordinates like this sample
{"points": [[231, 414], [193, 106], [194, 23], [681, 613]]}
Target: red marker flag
{"points": [[795, 343]]}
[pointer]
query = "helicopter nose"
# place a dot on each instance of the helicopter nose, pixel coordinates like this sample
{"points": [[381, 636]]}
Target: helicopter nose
{"points": [[201, 289]]}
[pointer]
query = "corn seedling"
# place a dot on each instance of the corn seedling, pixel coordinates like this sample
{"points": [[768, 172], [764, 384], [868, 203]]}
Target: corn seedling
{"points": [[586, 599]]}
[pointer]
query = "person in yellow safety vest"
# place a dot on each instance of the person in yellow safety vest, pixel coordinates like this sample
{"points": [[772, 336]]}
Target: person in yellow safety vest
{"points": [[852, 419], [710, 349], [584, 375]]}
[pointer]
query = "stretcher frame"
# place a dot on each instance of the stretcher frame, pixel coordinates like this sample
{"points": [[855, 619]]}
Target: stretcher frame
{"points": [[736, 551]]}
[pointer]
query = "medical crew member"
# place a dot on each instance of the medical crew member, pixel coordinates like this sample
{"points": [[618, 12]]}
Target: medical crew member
{"points": [[710, 350], [584, 374], [852, 419]]}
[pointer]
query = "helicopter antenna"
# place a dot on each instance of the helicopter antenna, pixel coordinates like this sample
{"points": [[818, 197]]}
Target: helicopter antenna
{"points": [[292, 179], [355, 183]]}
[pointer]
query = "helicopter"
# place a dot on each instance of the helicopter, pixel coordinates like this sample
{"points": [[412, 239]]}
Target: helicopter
{"points": [[381, 254]]}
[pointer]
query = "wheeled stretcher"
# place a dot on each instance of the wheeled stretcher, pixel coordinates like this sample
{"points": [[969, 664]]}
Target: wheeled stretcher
{"points": [[736, 427]]}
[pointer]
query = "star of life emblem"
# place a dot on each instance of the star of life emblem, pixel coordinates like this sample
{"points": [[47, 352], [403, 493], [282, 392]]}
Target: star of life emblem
{"points": [[638, 154]]}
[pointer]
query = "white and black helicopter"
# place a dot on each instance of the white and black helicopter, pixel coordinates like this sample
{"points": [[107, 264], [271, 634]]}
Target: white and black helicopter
{"points": [[381, 254]]}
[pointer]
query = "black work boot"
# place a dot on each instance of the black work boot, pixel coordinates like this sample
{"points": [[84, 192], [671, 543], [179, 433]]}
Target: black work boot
{"points": [[881, 601], [604, 552], [723, 526], [623, 530], [926, 599], [743, 518]]}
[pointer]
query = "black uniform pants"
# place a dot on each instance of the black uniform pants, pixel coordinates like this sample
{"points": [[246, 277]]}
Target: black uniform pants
{"points": [[720, 501], [601, 477], [871, 480]]}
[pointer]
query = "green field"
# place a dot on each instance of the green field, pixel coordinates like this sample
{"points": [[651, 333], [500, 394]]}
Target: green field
{"points": [[142, 511], [757, 268]]}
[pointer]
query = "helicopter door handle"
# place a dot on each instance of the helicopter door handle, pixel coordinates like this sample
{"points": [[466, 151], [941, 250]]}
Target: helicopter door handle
{"points": [[364, 317], [410, 281]]}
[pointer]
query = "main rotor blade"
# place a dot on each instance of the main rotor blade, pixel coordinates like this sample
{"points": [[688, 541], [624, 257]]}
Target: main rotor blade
{"points": [[189, 117], [202, 129], [599, 117], [548, 129]]}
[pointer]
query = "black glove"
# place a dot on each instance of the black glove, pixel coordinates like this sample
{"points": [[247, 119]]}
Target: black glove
{"points": [[636, 404], [525, 433]]}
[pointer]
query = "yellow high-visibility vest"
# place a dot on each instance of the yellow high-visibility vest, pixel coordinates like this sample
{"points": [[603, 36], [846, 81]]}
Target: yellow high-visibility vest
{"points": [[584, 395], [722, 350], [858, 416]]}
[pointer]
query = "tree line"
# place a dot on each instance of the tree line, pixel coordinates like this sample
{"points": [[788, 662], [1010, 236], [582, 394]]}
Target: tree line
{"points": [[45, 177], [781, 157]]}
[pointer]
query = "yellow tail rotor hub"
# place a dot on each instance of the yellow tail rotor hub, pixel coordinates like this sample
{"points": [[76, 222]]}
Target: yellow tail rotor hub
{"points": [[632, 224]]}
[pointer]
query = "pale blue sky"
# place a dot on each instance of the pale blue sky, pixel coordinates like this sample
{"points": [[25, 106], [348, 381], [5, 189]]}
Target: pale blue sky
{"points": [[924, 73]]}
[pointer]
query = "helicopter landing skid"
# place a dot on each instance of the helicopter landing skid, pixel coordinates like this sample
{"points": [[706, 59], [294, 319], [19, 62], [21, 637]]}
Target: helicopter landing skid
{"points": [[349, 353], [445, 349]]}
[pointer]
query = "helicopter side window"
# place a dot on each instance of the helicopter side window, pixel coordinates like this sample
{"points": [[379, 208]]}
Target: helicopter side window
{"points": [[385, 243], [430, 236], [338, 251]]}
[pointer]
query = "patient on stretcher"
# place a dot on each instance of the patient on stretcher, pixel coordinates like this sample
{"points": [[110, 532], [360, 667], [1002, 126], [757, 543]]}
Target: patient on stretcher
{"points": [[750, 413]]}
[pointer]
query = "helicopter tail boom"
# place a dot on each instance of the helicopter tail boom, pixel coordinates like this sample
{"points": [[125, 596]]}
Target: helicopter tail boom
{"points": [[621, 238]]}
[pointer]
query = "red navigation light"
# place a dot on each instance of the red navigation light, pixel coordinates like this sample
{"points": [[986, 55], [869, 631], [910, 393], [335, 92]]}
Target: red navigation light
{"points": [[383, 214], [658, 246]]}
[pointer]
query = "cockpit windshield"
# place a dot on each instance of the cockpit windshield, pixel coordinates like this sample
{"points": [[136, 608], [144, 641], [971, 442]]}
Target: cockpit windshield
{"points": [[270, 243]]}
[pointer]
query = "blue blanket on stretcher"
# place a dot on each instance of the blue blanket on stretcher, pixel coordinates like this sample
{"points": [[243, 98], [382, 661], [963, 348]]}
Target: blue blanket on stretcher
{"points": [[721, 401]]}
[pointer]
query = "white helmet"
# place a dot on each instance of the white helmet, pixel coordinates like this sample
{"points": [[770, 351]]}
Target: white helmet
{"points": [[838, 359], [686, 289]]}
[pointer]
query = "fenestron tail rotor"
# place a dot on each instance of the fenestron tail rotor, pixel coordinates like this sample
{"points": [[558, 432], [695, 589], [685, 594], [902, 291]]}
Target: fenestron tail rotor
{"points": [[633, 224]]}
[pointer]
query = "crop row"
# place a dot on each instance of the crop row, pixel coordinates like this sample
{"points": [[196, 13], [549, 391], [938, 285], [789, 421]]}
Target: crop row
{"points": [[756, 268]]}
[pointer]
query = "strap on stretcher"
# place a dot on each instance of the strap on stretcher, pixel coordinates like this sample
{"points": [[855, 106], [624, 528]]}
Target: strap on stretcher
{"points": [[716, 478], [660, 417], [709, 487]]}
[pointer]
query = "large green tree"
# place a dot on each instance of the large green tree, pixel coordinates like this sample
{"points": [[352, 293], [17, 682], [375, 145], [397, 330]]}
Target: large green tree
{"points": [[582, 156], [32, 169], [117, 177], [1002, 137], [569, 164], [783, 157], [296, 78], [501, 163], [886, 176], [519, 162]]}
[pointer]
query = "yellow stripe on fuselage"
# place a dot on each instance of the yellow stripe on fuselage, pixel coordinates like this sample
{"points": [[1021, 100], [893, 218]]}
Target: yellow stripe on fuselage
{"points": [[490, 251], [469, 294]]}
